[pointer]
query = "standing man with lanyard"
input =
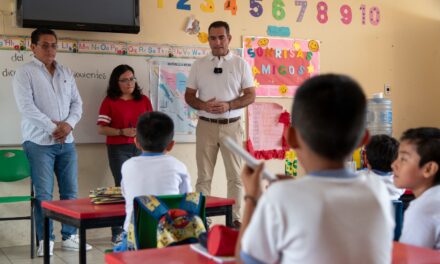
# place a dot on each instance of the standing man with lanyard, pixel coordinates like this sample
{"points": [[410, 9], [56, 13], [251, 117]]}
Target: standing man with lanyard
{"points": [[50, 106], [219, 86]]}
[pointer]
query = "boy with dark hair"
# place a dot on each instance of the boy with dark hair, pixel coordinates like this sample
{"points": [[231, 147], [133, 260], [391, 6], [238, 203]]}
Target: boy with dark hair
{"points": [[153, 172], [310, 220], [381, 151], [417, 168]]}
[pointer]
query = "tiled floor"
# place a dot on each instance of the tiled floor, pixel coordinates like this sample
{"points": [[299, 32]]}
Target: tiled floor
{"points": [[21, 254]]}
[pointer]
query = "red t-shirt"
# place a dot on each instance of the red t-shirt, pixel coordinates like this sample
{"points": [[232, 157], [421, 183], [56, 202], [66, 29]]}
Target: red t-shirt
{"points": [[122, 114]]}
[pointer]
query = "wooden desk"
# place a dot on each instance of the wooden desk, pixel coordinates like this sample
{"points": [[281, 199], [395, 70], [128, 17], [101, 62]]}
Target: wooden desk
{"points": [[85, 215], [402, 254]]}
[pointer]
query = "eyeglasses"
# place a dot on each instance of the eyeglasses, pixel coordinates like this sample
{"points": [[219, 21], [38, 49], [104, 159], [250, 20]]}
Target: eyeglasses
{"points": [[46, 45], [128, 80]]}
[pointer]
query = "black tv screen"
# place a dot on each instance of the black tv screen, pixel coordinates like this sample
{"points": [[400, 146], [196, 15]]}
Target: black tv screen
{"points": [[85, 15]]}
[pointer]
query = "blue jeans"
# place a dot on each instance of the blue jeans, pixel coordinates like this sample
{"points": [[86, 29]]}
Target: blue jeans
{"points": [[117, 155], [45, 160]]}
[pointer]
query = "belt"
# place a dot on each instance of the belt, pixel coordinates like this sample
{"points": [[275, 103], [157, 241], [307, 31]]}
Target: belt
{"points": [[220, 120]]}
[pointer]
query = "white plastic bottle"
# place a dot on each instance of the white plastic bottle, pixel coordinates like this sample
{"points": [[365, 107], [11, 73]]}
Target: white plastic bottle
{"points": [[380, 115]]}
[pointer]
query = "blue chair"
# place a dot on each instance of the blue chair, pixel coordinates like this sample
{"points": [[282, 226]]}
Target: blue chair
{"points": [[14, 166], [398, 216]]}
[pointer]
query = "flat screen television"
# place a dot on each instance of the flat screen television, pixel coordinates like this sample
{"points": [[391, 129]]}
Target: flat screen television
{"points": [[120, 16]]}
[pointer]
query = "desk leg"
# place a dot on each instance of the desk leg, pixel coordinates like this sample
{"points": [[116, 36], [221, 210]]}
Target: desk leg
{"points": [[82, 246], [46, 240], [229, 216]]}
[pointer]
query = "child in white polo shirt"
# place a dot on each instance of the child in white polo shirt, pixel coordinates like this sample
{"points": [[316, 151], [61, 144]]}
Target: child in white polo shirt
{"points": [[153, 172], [381, 151], [417, 168], [332, 215]]}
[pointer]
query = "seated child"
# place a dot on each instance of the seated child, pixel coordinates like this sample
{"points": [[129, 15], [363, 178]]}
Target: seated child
{"points": [[381, 151], [417, 168], [153, 172], [331, 215]]}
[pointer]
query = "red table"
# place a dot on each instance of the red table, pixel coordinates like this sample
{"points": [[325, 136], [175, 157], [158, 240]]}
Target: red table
{"points": [[84, 215], [402, 254]]}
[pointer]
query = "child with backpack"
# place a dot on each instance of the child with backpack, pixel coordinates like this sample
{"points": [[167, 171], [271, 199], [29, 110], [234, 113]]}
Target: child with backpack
{"points": [[153, 172]]}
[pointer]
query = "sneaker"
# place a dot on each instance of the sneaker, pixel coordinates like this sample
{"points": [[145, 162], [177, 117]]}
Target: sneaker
{"points": [[116, 240], [40, 252], [72, 243]]}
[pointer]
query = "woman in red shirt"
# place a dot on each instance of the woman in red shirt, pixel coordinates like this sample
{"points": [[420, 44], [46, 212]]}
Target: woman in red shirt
{"points": [[117, 120]]}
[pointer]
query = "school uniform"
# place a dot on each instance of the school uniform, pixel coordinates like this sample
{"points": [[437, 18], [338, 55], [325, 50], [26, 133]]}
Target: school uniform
{"points": [[326, 217], [152, 174], [421, 222], [388, 179]]}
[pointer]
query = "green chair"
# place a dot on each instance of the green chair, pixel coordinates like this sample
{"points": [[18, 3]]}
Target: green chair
{"points": [[146, 232], [14, 166]]}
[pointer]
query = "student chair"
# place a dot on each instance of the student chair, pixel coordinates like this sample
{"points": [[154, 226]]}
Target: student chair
{"points": [[146, 232], [398, 216], [14, 166]]}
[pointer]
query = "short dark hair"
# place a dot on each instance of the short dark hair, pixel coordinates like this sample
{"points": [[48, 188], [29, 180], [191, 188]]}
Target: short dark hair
{"points": [[427, 142], [329, 111], [154, 131], [381, 151], [113, 90], [35, 36], [219, 24]]}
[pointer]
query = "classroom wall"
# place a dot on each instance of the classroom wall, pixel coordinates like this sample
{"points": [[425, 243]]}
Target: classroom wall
{"points": [[402, 51]]}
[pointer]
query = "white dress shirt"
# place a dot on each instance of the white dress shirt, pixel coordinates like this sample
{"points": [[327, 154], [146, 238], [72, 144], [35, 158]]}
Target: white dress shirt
{"points": [[43, 98]]}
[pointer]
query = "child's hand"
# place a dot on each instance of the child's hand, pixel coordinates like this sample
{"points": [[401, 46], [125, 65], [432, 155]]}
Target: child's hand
{"points": [[251, 180]]}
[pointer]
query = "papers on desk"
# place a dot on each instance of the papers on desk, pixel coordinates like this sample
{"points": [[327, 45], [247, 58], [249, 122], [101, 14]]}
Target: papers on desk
{"points": [[106, 195], [200, 249]]}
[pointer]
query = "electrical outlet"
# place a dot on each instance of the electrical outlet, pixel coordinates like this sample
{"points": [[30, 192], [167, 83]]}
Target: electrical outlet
{"points": [[387, 89]]}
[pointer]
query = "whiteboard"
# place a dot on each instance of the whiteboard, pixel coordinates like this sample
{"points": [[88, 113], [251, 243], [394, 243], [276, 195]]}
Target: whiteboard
{"points": [[92, 72]]}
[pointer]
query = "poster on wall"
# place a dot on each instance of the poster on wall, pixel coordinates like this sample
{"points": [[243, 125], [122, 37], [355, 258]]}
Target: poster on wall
{"points": [[168, 83], [267, 124], [280, 65]]}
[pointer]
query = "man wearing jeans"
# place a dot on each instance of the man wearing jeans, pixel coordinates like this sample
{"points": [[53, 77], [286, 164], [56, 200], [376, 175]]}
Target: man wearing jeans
{"points": [[219, 86], [50, 105]]}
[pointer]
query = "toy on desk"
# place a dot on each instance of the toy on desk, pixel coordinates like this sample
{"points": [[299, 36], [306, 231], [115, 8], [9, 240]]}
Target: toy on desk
{"points": [[106, 195]]}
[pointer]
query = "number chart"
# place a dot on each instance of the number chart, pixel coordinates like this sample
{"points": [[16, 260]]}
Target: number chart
{"points": [[284, 10]]}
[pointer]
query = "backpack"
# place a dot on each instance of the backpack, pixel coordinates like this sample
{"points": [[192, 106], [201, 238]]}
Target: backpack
{"points": [[175, 226]]}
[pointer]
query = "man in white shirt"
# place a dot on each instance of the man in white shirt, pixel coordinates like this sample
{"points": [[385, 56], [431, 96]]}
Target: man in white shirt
{"points": [[50, 106], [219, 86]]}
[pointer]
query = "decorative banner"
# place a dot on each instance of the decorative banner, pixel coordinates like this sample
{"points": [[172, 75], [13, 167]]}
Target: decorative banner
{"points": [[280, 65], [14, 43], [267, 124], [103, 47], [109, 47], [67, 45]]}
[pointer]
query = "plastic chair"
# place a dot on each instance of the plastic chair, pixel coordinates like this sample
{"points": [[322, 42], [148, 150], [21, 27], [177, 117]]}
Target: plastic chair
{"points": [[14, 166], [146, 233], [398, 216]]}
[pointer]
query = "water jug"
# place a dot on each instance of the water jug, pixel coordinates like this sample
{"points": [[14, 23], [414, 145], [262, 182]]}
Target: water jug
{"points": [[380, 115]]}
